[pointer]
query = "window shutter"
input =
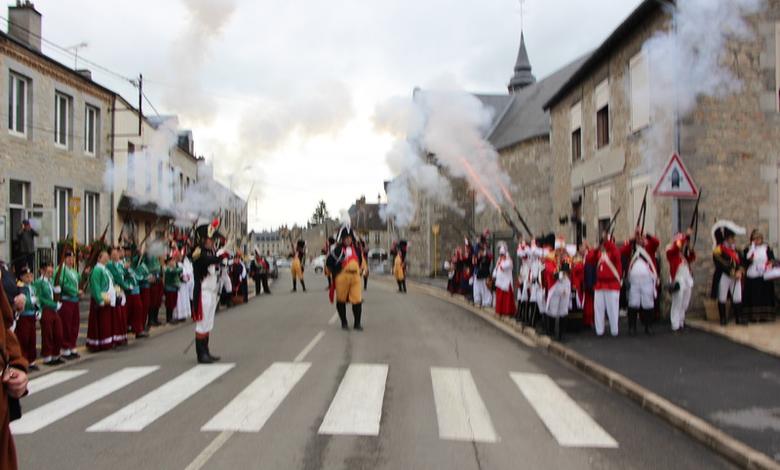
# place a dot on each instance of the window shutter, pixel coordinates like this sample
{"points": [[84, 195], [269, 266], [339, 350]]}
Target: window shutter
{"points": [[602, 94], [576, 116], [640, 95]]}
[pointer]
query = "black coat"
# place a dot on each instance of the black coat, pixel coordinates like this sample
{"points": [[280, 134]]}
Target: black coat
{"points": [[336, 257]]}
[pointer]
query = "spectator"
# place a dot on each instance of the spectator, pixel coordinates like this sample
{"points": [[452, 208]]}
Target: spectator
{"points": [[759, 295], [25, 240]]}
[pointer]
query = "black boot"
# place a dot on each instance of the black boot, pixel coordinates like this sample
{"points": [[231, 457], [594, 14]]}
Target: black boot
{"points": [[341, 308], [295, 286], [404, 284], [631, 322], [647, 320], [200, 352], [168, 316], [357, 312], [303, 285], [738, 318], [208, 353], [400, 288], [722, 313]]}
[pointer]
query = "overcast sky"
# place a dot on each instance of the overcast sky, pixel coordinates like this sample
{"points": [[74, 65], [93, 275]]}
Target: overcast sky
{"points": [[281, 93]]}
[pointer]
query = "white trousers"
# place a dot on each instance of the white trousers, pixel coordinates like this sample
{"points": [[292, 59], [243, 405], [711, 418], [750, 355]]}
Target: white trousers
{"points": [[641, 293], [606, 302], [682, 297], [559, 298], [209, 300], [482, 295], [729, 285]]}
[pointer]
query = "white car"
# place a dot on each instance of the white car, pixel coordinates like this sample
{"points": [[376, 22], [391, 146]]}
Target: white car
{"points": [[319, 264], [282, 263]]}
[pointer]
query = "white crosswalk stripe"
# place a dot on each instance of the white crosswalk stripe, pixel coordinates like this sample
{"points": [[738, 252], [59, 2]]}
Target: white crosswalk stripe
{"points": [[50, 380], [249, 411], [461, 413], [144, 411], [568, 423], [55, 410], [357, 407]]}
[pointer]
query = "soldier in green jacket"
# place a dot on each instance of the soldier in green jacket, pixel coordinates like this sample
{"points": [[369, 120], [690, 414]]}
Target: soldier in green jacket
{"points": [[25, 325], [155, 288], [100, 332], [66, 284], [117, 269], [141, 273], [172, 280], [136, 315], [51, 324]]}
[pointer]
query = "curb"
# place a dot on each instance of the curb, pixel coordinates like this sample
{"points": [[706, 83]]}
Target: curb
{"points": [[734, 450]]}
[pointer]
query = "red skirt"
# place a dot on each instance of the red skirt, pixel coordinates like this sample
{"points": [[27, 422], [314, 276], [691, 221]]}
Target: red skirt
{"points": [[100, 330], [25, 334], [135, 313], [155, 295], [71, 321], [505, 302], [119, 323], [51, 333], [145, 299], [171, 298]]}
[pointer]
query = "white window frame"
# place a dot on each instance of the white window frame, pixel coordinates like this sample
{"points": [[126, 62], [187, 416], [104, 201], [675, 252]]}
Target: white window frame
{"points": [[91, 215], [13, 92], [60, 99], [58, 193], [638, 65], [91, 130]]}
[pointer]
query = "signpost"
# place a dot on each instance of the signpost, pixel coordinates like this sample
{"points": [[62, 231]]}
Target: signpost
{"points": [[435, 228], [675, 181]]}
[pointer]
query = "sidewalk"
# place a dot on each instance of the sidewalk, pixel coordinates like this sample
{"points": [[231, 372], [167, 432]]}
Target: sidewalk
{"points": [[732, 387]]}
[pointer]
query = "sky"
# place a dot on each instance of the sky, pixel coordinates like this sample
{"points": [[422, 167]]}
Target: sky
{"points": [[280, 94]]}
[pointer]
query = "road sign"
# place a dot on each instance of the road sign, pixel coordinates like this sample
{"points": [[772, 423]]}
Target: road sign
{"points": [[675, 180]]}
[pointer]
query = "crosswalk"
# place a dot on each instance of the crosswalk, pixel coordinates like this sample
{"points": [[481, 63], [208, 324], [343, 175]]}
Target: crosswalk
{"points": [[356, 409]]}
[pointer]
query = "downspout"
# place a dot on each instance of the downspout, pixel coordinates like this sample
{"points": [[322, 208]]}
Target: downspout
{"points": [[113, 173]]}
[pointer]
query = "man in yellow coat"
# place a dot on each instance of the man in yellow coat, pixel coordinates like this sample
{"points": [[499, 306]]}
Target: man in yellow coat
{"points": [[399, 266], [344, 264], [296, 268]]}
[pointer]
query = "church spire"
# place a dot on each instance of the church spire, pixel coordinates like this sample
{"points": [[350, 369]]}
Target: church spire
{"points": [[523, 76]]}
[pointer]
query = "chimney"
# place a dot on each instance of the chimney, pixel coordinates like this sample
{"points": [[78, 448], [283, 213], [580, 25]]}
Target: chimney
{"points": [[86, 73], [24, 24]]}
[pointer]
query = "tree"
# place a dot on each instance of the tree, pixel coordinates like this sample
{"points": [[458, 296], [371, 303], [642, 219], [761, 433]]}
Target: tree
{"points": [[320, 214]]}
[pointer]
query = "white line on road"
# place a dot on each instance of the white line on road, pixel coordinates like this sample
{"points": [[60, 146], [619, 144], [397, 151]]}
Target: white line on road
{"points": [[74, 401], [357, 406], [250, 410], [50, 380], [568, 423], [333, 318], [302, 355], [209, 451], [144, 411], [460, 411]]}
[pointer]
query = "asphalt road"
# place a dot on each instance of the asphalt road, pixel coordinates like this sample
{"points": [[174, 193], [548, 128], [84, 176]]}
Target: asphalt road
{"points": [[426, 385]]}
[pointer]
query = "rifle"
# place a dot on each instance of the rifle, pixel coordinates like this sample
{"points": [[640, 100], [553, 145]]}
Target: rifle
{"points": [[93, 257], [640, 220], [613, 224], [146, 237], [522, 221], [694, 223], [58, 280], [508, 220]]}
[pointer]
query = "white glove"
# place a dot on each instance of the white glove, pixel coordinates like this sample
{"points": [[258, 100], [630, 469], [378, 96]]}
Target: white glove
{"points": [[38, 315], [57, 289], [59, 306], [220, 252], [33, 299]]}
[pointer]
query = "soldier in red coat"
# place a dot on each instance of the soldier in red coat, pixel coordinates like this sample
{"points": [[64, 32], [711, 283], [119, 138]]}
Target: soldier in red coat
{"points": [[606, 298], [642, 277], [680, 255]]}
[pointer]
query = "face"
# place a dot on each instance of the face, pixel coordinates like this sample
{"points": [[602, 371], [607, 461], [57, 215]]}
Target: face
{"points": [[27, 278], [347, 241], [730, 240], [759, 240], [209, 244], [70, 261], [103, 257], [48, 271], [115, 255]]}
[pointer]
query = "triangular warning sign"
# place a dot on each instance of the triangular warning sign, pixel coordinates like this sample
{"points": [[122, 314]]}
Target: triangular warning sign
{"points": [[675, 181]]}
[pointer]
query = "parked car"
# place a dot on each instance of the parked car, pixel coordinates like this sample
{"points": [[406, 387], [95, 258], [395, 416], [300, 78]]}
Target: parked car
{"points": [[319, 264], [272, 267], [282, 263]]}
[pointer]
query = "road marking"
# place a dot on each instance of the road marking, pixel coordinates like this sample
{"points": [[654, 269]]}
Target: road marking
{"points": [[209, 451], [309, 347], [50, 380], [333, 319], [357, 406], [249, 411], [74, 401], [460, 411], [144, 411], [567, 422]]}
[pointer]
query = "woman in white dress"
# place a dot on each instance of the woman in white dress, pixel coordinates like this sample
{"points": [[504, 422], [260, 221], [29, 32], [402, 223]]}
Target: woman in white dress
{"points": [[183, 302]]}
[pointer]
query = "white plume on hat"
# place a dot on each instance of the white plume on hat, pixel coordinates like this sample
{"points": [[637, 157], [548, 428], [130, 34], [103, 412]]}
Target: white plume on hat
{"points": [[728, 225]]}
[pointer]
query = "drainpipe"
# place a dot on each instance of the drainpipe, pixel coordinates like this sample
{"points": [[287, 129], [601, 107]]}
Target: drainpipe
{"points": [[113, 143]]}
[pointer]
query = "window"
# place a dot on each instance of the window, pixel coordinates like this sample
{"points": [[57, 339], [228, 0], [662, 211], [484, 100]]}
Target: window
{"points": [[91, 216], [376, 238], [181, 186], [17, 104], [602, 114], [61, 200], [90, 130], [640, 92], [576, 132], [61, 119], [130, 167], [172, 182]]}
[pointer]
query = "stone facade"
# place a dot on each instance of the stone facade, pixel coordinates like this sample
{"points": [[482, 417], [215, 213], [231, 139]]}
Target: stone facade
{"points": [[35, 160], [729, 145]]}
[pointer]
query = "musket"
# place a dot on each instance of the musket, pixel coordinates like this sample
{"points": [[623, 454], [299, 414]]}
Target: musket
{"points": [[640, 220], [58, 280], [613, 224], [146, 237], [93, 257], [509, 221], [522, 221], [695, 221]]}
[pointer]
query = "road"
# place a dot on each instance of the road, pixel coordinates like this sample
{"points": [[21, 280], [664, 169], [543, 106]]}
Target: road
{"points": [[426, 385]]}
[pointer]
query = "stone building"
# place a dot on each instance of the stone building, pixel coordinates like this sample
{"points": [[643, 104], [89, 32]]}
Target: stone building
{"points": [[55, 143], [603, 124], [367, 222]]}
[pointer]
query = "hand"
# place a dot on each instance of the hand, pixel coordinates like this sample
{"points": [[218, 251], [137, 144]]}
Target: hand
{"points": [[57, 290], [106, 299], [689, 231], [38, 315], [15, 382], [19, 302], [59, 306]]}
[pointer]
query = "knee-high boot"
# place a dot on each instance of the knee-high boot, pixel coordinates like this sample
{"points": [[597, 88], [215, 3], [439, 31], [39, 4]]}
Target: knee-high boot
{"points": [[722, 313], [738, 318], [400, 288], [647, 320], [341, 308], [632, 321], [357, 312], [303, 285], [200, 351], [208, 351], [295, 285]]}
